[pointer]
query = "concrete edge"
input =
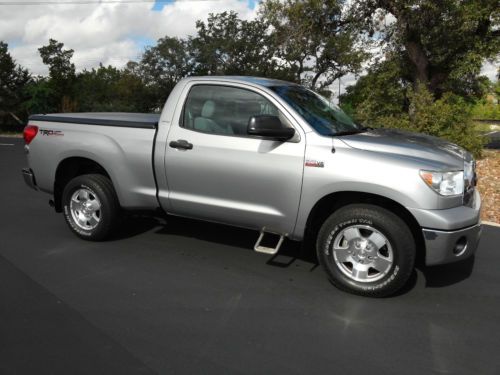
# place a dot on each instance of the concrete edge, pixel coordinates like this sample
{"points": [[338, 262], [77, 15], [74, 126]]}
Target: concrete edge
{"points": [[491, 223]]}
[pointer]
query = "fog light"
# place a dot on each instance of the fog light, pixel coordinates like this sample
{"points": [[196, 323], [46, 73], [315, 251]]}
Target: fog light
{"points": [[460, 246]]}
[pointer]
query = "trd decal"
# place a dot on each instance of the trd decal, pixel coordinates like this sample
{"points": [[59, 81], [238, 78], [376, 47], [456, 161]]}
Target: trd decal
{"points": [[315, 164], [50, 132]]}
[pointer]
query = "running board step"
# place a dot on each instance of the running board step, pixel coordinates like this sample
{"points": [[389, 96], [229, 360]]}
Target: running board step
{"points": [[268, 250]]}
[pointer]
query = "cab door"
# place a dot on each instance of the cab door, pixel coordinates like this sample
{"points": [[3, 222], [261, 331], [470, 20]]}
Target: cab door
{"points": [[217, 172]]}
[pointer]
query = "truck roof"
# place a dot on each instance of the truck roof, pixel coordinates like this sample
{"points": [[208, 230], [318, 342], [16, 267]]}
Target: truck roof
{"points": [[260, 81]]}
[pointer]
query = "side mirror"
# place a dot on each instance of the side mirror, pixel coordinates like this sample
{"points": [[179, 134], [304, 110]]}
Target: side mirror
{"points": [[269, 127]]}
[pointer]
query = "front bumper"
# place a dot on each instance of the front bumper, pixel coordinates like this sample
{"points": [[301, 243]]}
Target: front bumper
{"points": [[29, 178], [450, 246], [455, 232]]}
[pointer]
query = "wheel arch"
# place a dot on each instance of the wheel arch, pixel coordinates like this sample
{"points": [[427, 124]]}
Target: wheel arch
{"points": [[328, 204], [70, 168]]}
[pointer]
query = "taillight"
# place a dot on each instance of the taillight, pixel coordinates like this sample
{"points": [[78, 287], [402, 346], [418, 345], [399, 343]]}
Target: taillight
{"points": [[30, 132]]}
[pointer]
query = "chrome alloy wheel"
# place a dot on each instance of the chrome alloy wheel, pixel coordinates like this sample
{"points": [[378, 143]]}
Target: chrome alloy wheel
{"points": [[362, 253], [85, 209]]}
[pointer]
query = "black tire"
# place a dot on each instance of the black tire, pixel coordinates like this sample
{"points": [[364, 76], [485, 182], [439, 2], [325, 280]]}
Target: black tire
{"points": [[98, 187], [366, 219]]}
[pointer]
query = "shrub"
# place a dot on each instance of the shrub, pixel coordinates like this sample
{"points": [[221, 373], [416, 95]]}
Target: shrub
{"points": [[486, 111], [448, 117]]}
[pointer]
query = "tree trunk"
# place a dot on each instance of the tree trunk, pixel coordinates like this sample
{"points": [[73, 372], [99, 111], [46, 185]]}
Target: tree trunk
{"points": [[315, 80], [416, 53], [299, 72], [420, 62]]}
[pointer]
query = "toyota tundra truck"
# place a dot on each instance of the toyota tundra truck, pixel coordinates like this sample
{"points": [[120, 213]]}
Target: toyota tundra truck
{"points": [[273, 157]]}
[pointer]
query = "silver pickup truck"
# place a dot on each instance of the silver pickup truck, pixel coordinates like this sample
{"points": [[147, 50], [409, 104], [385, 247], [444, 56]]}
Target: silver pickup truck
{"points": [[270, 156]]}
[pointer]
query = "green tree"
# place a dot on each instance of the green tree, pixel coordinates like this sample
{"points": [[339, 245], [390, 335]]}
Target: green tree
{"points": [[162, 66], [487, 107], [443, 42], [13, 79], [448, 117], [40, 96], [379, 93], [108, 89], [62, 76], [95, 89], [314, 40], [132, 91], [229, 45]]}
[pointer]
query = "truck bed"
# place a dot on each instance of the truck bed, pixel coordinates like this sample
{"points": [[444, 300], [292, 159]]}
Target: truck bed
{"points": [[120, 119], [120, 143]]}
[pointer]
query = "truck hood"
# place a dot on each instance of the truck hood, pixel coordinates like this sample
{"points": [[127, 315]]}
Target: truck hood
{"points": [[401, 142]]}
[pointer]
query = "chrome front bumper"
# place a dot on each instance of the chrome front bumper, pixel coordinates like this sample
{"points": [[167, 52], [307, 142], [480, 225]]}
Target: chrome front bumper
{"points": [[450, 246], [29, 178]]}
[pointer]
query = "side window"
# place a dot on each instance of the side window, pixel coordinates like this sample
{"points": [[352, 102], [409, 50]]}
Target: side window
{"points": [[224, 110]]}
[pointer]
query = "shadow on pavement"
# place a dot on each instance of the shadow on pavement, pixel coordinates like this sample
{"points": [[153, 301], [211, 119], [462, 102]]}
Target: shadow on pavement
{"points": [[448, 274], [235, 237], [134, 225], [435, 277]]}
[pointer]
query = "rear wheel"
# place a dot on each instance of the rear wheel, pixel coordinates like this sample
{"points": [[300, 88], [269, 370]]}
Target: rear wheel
{"points": [[366, 250], [90, 206]]}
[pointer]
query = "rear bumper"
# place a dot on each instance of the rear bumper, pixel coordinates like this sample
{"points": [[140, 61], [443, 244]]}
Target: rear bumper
{"points": [[450, 246], [29, 178]]}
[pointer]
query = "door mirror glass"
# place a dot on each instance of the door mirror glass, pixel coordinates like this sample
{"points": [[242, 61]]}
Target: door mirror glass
{"points": [[268, 126]]}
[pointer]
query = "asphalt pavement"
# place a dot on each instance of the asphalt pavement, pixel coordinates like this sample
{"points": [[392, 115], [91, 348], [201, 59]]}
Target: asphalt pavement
{"points": [[493, 140], [186, 297]]}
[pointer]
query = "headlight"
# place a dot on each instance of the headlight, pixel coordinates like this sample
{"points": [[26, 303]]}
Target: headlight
{"points": [[444, 183]]}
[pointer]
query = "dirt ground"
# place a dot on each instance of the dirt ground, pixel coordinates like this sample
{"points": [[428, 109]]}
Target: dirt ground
{"points": [[488, 171]]}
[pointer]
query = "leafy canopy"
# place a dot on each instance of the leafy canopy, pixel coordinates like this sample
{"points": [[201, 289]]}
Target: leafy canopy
{"points": [[313, 40], [442, 43], [62, 76]]}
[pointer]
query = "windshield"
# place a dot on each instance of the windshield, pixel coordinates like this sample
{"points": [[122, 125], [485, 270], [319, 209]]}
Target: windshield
{"points": [[325, 118]]}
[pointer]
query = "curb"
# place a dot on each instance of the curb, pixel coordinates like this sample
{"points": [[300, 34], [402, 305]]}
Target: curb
{"points": [[490, 223]]}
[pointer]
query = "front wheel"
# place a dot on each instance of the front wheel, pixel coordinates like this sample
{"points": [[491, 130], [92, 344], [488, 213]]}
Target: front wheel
{"points": [[366, 250], [90, 206]]}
